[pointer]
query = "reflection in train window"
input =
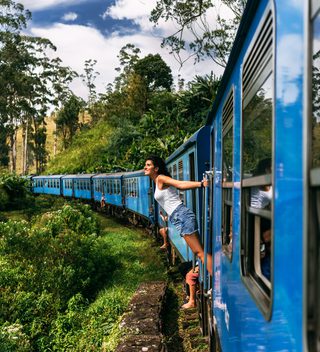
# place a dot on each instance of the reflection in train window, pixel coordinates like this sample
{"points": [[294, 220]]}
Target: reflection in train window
{"points": [[257, 131], [313, 279], [227, 175]]}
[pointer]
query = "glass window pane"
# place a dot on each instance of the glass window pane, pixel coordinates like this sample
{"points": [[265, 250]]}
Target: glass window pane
{"points": [[257, 130], [316, 94]]}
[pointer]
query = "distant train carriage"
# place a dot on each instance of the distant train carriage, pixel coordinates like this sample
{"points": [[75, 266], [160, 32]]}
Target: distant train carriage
{"points": [[189, 162], [111, 186], [68, 185], [82, 184], [47, 184], [138, 194]]}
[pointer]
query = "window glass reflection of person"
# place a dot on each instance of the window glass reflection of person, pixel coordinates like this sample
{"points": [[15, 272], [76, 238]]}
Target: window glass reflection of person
{"points": [[261, 196]]}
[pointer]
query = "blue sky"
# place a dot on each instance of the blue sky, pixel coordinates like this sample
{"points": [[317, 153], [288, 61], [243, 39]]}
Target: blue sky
{"points": [[98, 29]]}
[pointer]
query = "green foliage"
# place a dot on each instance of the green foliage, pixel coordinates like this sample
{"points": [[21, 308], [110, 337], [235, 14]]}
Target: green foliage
{"points": [[14, 192], [155, 72], [194, 33], [67, 119], [64, 284], [54, 266], [87, 153]]}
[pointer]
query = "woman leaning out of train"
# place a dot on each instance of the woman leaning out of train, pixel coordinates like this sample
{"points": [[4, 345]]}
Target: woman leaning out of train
{"points": [[179, 215]]}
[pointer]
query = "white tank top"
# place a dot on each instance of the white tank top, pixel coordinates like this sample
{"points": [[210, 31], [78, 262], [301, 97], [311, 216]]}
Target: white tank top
{"points": [[168, 199]]}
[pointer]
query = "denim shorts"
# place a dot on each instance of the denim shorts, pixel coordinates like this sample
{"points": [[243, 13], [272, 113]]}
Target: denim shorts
{"points": [[184, 220]]}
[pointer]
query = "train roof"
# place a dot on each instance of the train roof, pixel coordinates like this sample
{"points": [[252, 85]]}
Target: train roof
{"points": [[78, 176], [133, 173], [245, 23], [192, 140], [110, 175], [47, 176]]}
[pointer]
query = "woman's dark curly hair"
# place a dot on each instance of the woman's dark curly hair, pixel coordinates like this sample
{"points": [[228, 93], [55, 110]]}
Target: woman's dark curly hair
{"points": [[159, 163]]}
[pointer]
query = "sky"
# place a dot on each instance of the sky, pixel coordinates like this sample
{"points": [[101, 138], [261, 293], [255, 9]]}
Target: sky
{"points": [[98, 29]]}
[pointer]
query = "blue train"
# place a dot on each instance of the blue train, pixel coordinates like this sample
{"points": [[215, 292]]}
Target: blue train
{"points": [[260, 150]]}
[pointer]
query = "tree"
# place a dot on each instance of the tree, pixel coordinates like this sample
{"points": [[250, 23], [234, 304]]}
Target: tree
{"points": [[88, 79], [29, 80], [155, 72], [67, 119], [191, 18]]}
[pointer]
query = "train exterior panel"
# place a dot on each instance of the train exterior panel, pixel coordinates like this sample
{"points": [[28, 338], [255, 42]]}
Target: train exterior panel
{"points": [[47, 184], [83, 186], [68, 185], [138, 195], [111, 186], [258, 118]]}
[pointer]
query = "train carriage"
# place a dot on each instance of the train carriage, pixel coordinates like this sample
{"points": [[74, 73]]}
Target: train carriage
{"points": [[68, 185], [82, 186], [111, 186], [257, 189], [47, 184], [138, 195]]}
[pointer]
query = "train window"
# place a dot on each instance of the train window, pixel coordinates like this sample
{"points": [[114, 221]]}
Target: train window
{"points": [[137, 188], [227, 175], [180, 177], [313, 278], [192, 178], [256, 191], [174, 171]]}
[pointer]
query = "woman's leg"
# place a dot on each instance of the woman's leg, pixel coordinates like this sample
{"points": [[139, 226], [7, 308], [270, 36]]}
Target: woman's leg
{"points": [[195, 245], [164, 235]]}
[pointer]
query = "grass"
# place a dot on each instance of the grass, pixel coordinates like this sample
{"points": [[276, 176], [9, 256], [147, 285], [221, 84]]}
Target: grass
{"points": [[137, 260]]}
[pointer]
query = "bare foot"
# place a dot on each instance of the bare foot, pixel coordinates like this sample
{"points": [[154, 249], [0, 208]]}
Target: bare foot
{"points": [[188, 305]]}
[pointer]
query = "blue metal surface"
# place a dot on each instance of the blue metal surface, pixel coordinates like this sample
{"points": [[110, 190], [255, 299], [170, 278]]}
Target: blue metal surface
{"points": [[50, 184], [138, 203], [241, 325]]}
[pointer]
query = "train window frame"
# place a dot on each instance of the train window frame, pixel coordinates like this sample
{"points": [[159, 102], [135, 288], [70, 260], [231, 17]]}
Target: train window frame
{"points": [[312, 309], [180, 178], [227, 123], [174, 172], [254, 75]]}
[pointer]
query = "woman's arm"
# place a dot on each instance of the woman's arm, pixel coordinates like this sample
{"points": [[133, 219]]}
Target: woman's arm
{"points": [[182, 185]]}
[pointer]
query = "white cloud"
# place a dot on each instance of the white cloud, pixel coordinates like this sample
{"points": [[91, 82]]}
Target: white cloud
{"points": [[289, 46], [36, 5], [126, 9], [70, 16], [76, 43]]}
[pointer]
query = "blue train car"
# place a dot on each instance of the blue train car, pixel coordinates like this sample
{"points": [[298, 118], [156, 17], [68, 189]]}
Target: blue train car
{"points": [[47, 184], [138, 194], [111, 186], [82, 184], [68, 185], [189, 162], [258, 221]]}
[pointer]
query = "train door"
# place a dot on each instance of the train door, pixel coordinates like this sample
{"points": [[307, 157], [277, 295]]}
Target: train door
{"points": [[313, 219]]}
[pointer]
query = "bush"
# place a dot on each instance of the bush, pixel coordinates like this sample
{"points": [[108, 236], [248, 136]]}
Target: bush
{"points": [[47, 266], [14, 192], [4, 199]]}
